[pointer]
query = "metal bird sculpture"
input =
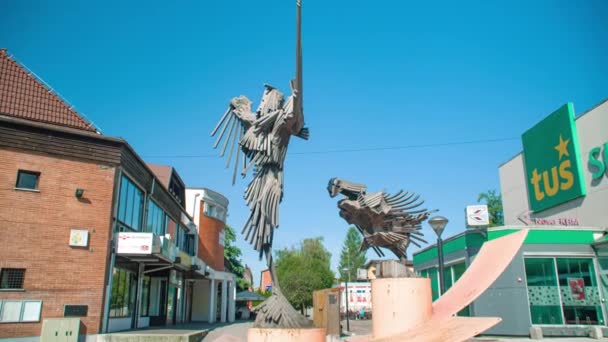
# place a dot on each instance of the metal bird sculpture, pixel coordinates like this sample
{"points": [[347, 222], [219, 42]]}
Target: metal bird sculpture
{"points": [[384, 220], [262, 137]]}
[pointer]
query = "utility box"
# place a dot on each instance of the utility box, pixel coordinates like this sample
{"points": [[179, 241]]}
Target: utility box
{"points": [[326, 310], [60, 330]]}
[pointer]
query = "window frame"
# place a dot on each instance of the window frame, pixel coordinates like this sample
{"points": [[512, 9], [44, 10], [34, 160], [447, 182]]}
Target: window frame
{"points": [[125, 279], [2, 272], [22, 304], [156, 215], [128, 194], [554, 257], [30, 172]]}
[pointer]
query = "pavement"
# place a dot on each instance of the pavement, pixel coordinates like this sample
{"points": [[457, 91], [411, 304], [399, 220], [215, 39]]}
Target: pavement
{"points": [[364, 327], [237, 332]]}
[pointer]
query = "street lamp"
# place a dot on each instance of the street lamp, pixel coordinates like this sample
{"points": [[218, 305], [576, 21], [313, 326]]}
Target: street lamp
{"points": [[438, 224], [346, 271]]}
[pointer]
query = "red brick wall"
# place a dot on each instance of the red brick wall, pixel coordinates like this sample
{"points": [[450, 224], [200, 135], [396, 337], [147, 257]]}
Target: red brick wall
{"points": [[209, 249], [36, 230]]}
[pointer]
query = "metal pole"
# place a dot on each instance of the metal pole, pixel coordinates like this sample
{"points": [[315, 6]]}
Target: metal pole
{"points": [[440, 256], [347, 312]]}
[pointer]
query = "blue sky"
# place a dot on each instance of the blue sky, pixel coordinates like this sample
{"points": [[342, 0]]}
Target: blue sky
{"points": [[376, 74]]}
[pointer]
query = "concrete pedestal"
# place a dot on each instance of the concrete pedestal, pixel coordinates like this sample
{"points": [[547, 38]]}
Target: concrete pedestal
{"points": [[292, 335], [400, 304]]}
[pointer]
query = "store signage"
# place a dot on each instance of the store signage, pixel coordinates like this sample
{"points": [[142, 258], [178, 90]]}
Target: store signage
{"points": [[560, 221], [595, 160], [134, 243], [552, 160], [577, 288], [477, 216], [79, 238]]}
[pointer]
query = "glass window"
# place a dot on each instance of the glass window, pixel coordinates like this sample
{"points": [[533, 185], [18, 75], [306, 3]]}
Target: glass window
{"points": [[215, 211], [120, 302], [11, 311], [130, 207], [145, 296], [27, 180], [432, 273], [579, 291], [543, 291], [12, 278], [31, 311], [447, 277], [156, 219]]}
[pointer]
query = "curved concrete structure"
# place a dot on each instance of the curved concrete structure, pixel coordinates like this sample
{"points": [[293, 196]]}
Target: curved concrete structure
{"points": [[292, 335], [399, 316], [405, 303]]}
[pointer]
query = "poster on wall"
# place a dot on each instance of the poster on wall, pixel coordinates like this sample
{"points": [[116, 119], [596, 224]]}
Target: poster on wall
{"points": [[577, 288]]}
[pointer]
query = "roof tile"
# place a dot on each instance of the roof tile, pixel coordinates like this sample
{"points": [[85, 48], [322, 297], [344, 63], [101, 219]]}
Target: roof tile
{"points": [[22, 95]]}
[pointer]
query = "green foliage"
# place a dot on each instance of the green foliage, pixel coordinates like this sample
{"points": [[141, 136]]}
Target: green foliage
{"points": [[494, 202], [351, 257], [232, 255], [263, 293], [303, 270]]}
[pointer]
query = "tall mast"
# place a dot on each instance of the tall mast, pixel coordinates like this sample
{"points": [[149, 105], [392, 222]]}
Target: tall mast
{"points": [[298, 80]]}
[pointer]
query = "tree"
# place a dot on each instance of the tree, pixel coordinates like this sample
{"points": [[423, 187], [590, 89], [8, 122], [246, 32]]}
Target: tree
{"points": [[303, 270], [232, 257], [494, 202], [351, 257]]}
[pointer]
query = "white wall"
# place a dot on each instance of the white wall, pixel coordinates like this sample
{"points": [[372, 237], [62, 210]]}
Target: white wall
{"points": [[590, 210], [200, 301]]}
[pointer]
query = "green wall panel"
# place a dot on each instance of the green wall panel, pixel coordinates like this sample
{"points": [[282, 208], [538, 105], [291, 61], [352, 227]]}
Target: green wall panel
{"points": [[553, 236]]}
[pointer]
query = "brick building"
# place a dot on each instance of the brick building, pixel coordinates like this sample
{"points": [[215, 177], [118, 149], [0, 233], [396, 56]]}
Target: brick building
{"points": [[90, 229]]}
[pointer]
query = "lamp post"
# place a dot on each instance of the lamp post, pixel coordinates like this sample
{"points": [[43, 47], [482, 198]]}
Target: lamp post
{"points": [[438, 224], [346, 270]]}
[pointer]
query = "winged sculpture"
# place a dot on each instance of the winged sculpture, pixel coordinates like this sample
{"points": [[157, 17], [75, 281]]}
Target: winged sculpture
{"points": [[261, 138], [384, 220]]}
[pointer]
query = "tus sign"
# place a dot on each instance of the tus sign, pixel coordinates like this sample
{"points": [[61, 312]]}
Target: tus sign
{"points": [[553, 164]]}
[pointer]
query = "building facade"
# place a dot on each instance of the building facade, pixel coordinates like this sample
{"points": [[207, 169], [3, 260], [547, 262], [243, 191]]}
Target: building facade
{"points": [[215, 293], [558, 188], [92, 231]]}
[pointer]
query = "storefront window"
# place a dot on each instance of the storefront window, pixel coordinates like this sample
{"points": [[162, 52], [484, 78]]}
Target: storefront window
{"points": [[457, 271], [447, 276], [120, 302], [145, 296], [432, 274], [543, 291], [579, 291]]}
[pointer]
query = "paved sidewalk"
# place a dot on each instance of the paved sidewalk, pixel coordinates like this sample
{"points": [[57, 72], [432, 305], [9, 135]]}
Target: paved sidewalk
{"points": [[235, 332]]}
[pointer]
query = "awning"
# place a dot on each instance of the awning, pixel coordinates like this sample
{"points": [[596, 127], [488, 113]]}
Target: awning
{"points": [[245, 296]]}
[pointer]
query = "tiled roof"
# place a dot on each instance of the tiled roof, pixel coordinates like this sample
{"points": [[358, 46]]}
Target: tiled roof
{"points": [[23, 96], [162, 172]]}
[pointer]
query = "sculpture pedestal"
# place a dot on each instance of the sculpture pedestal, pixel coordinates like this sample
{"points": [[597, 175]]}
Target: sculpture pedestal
{"points": [[292, 335], [400, 304]]}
